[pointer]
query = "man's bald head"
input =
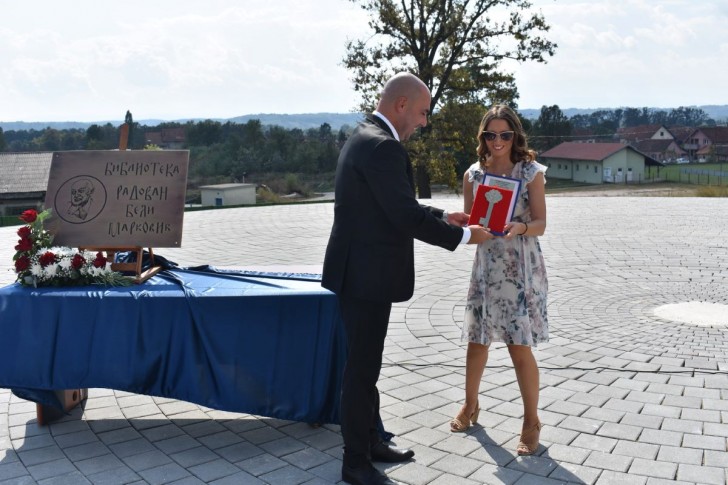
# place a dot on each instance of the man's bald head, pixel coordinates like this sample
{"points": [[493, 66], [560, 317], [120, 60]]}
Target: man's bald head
{"points": [[405, 102], [402, 84]]}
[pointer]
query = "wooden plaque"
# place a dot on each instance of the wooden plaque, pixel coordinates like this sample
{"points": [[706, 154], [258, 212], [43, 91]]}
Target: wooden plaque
{"points": [[117, 198]]}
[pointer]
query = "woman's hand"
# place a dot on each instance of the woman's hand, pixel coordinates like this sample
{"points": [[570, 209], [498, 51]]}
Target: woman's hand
{"points": [[514, 229]]}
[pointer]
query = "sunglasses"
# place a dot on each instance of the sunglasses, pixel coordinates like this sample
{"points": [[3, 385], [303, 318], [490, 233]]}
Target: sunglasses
{"points": [[504, 135]]}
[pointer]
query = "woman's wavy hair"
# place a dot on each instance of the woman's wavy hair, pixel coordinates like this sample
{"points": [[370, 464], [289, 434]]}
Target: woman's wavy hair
{"points": [[520, 149]]}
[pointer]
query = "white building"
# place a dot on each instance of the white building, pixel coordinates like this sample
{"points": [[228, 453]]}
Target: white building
{"points": [[227, 194]]}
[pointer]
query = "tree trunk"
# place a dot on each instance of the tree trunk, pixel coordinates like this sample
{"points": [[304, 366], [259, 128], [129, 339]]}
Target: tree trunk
{"points": [[423, 183]]}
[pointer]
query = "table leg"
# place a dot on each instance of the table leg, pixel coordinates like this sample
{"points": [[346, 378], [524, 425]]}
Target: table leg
{"points": [[69, 399]]}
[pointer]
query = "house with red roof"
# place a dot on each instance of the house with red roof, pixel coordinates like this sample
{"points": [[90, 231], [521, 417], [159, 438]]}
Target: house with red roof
{"points": [[709, 143], [664, 150], [166, 138], [638, 133], [596, 163]]}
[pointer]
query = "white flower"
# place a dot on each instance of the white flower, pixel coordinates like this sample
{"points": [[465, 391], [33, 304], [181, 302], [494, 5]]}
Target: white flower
{"points": [[51, 270]]}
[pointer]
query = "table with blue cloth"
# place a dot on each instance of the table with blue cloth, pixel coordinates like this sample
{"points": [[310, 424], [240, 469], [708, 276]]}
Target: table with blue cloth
{"points": [[268, 344]]}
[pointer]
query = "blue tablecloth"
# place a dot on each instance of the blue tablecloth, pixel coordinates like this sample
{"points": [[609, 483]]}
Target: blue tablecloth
{"points": [[265, 344]]}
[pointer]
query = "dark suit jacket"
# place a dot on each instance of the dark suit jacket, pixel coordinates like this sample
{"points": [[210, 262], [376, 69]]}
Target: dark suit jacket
{"points": [[370, 254]]}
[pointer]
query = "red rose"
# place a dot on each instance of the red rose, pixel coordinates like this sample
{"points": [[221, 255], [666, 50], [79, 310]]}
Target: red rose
{"points": [[100, 260], [46, 259], [24, 232], [29, 216], [24, 244], [22, 263], [77, 261]]}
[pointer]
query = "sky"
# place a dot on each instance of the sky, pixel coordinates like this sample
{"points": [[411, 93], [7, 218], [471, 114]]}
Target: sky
{"points": [[92, 60]]}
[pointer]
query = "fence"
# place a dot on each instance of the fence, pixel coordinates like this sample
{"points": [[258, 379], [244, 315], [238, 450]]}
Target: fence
{"points": [[713, 174]]}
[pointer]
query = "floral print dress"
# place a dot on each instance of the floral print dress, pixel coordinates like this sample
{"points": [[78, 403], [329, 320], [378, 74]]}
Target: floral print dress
{"points": [[506, 300]]}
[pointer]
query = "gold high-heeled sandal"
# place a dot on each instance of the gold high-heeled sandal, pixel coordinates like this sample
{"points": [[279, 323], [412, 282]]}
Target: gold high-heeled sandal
{"points": [[529, 440], [460, 423]]}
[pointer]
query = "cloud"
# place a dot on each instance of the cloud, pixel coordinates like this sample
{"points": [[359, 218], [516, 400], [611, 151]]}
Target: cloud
{"points": [[629, 53], [179, 59]]}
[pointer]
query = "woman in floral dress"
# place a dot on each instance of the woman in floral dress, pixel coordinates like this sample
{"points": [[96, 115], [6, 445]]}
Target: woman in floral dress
{"points": [[506, 301]]}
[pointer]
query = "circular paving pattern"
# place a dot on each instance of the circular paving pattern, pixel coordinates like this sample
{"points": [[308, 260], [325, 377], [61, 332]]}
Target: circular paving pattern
{"points": [[700, 313]]}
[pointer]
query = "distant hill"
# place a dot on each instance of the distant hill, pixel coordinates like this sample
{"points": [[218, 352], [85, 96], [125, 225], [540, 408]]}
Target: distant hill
{"points": [[305, 121], [288, 121], [716, 112]]}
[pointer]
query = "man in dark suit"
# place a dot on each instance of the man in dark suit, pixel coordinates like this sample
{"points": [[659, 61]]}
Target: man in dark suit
{"points": [[369, 260]]}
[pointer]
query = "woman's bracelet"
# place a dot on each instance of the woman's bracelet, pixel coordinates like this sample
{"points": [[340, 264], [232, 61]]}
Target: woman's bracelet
{"points": [[526, 229]]}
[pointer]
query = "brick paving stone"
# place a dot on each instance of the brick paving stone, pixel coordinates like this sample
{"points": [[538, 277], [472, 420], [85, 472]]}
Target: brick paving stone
{"points": [[595, 443], [701, 474], [132, 447], [601, 414], [261, 464], [51, 469], [662, 481], [614, 478], [73, 478], [239, 452], [651, 468], [608, 461], [176, 444], [115, 476], [642, 420], [12, 471], [240, 478], [414, 474], [581, 424], [456, 465], [98, 464], [168, 473], [213, 470], [637, 450], [619, 431], [704, 442], [566, 454], [146, 460], [701, 415], [569, 472], [716, 459], [194, 456], [674, 454]]}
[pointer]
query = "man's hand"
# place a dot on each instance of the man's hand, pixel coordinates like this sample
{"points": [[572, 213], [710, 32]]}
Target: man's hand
{"points": [[479, 234], [459, 219]]}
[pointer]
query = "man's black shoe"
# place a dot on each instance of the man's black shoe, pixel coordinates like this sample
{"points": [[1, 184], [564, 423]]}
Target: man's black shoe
{"points": [[388, 454], [364, 475]]}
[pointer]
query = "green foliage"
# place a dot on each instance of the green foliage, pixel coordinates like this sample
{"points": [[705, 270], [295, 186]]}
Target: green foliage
{"points": [[550, 129], [450, 147], [3, 144]]}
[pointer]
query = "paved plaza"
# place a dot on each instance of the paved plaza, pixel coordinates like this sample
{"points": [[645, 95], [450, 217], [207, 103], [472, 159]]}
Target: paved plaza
{"points": [[634, 381]]}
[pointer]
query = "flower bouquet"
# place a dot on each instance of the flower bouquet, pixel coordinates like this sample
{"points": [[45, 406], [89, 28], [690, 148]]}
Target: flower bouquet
{"points": [[37, 263]]}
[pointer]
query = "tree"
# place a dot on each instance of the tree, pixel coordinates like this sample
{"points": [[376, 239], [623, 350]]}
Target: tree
{"points": [[3, 145], [550, 129], [455, 47], [129, 120], [686, 116], [204, 133], [635, 117]]}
